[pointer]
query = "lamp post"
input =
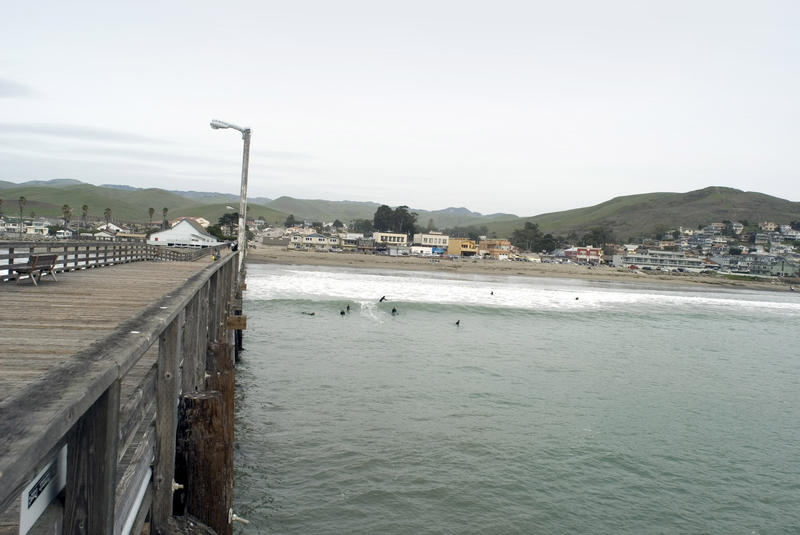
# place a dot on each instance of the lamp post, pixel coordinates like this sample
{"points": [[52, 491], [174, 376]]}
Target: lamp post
{"points": [[216, 124]]}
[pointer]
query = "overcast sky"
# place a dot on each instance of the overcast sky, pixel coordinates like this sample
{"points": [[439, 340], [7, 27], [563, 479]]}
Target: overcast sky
{"points": [[523, 107]]}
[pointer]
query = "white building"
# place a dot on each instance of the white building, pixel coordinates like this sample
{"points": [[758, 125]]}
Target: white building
{"points": [[432, 239], [38, 227], [390, 238], [186, 233], [668, 260], [110, 228]]}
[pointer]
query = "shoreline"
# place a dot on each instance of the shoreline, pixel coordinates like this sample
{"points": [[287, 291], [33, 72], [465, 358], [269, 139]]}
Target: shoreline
{"points": [[277, 254]]}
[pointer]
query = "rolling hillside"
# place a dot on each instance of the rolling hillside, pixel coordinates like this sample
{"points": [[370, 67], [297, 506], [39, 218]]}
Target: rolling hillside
{"points": [[633, 216], [126, 205]]}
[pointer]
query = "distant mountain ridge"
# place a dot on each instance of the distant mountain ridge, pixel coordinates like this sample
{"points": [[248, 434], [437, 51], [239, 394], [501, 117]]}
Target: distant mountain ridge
{"points": [[626, 217]]}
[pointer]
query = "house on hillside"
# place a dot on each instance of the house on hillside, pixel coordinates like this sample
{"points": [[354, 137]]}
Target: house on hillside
{"points": [[186, 233]]}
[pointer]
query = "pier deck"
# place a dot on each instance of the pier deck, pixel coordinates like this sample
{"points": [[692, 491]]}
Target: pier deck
{"points": [[42, 326], [92, 369]]}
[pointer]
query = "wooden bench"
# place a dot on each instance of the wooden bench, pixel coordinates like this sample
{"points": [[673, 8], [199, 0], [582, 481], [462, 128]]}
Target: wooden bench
{"points": [[38, 265]]}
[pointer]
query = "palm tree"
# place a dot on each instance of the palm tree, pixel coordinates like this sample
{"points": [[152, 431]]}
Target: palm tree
{"points": [[107, 215], [1, 207], [22, 202], [164, 222], [67, 211], [150, 212], [84, 216]]}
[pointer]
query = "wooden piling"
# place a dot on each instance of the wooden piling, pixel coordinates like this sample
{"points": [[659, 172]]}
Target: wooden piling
{"points": [[208, 459]]}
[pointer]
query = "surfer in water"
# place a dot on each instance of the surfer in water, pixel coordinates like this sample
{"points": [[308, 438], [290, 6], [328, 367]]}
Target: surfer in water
{"points": [[382, 299], [341, 313], [348, 309], [394, 311], [308, 313], [458, 323]]}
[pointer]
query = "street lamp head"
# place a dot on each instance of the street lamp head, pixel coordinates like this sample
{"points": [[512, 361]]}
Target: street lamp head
{"points": [[216, 124]]}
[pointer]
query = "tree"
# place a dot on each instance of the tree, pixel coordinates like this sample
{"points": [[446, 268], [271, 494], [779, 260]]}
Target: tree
{"points": [[317, 225], [362, 225], [1, 207], [531, 238], [22, 202], [397, 220], [216, 231], [290, 221], [229, 220], [150, 212], [383, 218], [85, 216], [67, 211], [404, 221], [431, 226], [107, 215], [472, 232], [599, 236], [528, 237], [164, 222], [337, 224]]}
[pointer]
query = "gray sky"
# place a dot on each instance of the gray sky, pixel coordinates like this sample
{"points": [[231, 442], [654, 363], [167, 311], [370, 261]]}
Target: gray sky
{"points": [[522, 107]]}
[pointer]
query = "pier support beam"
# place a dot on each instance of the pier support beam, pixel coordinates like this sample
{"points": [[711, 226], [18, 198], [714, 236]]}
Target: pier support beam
{"points": [[207, 459]]}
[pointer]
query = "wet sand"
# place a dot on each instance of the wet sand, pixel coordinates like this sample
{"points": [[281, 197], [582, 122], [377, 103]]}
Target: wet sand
{"points": [[266, 254]]}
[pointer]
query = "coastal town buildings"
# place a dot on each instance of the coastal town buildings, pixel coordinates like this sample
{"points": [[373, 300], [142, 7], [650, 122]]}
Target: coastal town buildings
{"points": [[715, 247]]}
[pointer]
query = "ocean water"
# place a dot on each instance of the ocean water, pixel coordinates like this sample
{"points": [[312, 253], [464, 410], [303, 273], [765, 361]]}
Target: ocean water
{"points": [[555, 406]]}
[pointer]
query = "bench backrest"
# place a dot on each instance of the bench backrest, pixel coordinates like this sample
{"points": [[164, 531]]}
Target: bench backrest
{"points": [[42, 260]]}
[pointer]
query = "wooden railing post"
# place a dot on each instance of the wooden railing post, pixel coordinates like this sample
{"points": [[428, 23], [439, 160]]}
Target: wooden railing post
{"points": [[193, 365], [92, 467], [167, 391]]}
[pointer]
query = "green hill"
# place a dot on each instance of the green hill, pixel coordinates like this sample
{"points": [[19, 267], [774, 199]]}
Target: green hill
{"points": [[324, 211], [626, 217], [129, 206], [642, 215]]}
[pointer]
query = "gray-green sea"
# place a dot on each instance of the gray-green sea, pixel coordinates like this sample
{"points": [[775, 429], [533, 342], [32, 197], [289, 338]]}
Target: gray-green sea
{"points": [[555, 406]]}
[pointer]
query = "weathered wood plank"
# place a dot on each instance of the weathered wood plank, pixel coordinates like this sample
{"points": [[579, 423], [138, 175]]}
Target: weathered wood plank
{"points": [[166, 421], [92, 467], [134, 470]]}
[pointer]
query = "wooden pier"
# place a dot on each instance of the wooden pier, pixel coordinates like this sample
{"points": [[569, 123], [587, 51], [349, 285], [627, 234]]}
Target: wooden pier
{"points": [[93, 370]]}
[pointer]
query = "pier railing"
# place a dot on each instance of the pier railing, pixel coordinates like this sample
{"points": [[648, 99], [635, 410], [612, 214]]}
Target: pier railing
{"points": [[74, 255], [114, 407]]}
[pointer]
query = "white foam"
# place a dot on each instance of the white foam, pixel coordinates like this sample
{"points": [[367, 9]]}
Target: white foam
{"points": [[366, 288]]}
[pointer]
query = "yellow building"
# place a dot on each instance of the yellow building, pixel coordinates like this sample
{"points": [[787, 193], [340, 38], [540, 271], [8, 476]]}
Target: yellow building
{"points": [[461, 247]]}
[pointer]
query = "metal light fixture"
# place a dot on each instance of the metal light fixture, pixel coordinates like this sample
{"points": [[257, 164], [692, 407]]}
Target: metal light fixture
{"points": [[216, 125]]}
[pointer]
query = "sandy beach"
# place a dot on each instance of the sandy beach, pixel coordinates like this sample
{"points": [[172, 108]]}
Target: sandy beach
{"points": [[266, 254]]}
